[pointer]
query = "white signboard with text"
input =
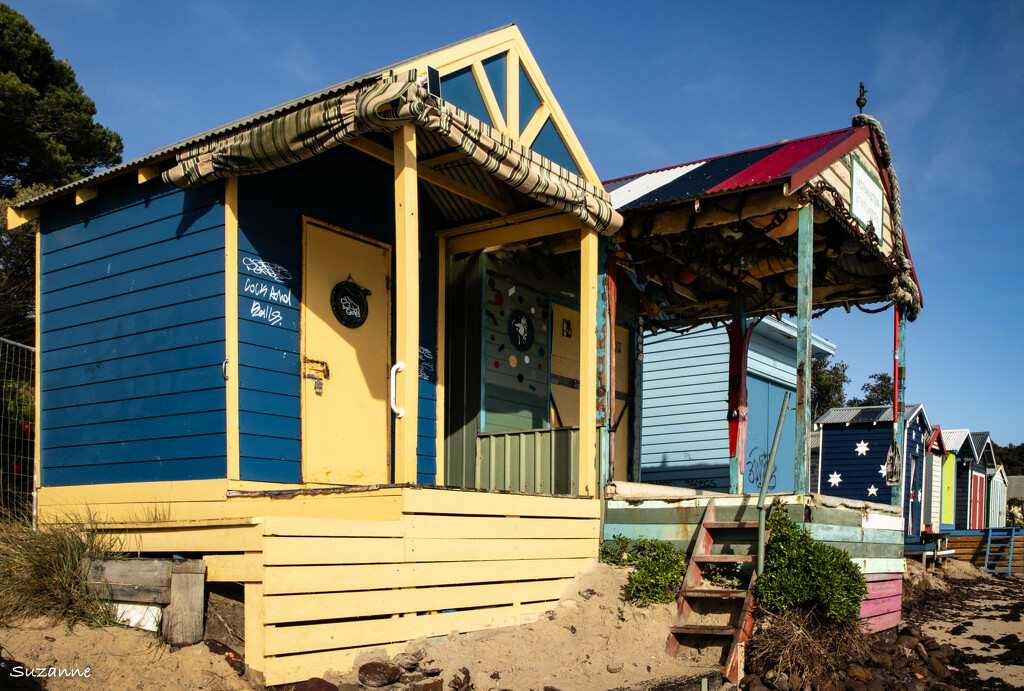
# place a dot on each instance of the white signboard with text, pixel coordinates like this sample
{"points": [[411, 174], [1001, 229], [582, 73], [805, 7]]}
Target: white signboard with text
{"points": [[866, 198]]}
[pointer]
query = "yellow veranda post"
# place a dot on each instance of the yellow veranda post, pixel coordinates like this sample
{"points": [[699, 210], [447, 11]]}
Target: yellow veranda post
{"points": [[588, 362], [407, 336]]}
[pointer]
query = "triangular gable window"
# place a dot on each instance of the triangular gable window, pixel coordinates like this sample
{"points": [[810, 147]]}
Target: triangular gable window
{"points": [[460, 89], [550, 145], [495, 69]]}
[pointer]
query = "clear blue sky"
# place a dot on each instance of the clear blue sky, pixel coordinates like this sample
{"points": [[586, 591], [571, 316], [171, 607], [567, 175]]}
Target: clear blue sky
{"points": [[647, 85]]}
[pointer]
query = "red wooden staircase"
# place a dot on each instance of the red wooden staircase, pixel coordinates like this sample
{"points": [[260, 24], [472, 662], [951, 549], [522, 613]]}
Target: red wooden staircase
{"points": [[706, 610]]}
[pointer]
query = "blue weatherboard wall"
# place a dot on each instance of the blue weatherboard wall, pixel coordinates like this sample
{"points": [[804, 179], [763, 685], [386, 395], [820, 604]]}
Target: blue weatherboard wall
{"points": [[349, 190], [764, 401], [132, 336], [845, 472]]}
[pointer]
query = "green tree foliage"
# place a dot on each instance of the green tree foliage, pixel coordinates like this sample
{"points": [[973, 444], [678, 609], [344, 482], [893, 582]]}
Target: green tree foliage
{"points": [[48, 134], [1011, 456], [828, 385], [47, 138], [877, 391], [800, 572]]}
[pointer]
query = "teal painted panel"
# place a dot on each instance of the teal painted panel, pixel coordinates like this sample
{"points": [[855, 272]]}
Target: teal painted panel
{"points": [[496, 70], [847, 533], [529, 101], [459, 88], [550, 145], [651, 531]]}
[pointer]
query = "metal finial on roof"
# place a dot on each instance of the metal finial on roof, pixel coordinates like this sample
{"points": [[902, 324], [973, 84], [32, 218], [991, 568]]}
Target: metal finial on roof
{"points": [[861, 101]]}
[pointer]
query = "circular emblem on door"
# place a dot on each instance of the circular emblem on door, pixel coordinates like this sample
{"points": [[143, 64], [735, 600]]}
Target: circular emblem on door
{"points": [[348, 302], [520, 330]]}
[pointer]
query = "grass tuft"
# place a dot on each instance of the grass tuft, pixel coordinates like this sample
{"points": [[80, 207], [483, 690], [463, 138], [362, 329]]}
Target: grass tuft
{"points": [[41, 572]]}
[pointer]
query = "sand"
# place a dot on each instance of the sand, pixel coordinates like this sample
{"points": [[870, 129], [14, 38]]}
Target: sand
{"points": [[591, 640]]}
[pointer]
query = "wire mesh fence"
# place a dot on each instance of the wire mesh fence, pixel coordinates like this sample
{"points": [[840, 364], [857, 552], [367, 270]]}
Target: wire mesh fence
{"points": [[17, 428]]}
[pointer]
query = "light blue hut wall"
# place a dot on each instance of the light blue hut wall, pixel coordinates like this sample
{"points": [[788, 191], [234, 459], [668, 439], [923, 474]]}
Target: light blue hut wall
{"points": [[132, 335], [685, 437], [355, 192], [685, 433]]}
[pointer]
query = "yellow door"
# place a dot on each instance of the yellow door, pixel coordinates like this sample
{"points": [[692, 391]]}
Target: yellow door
{"points": [[346, 344]]}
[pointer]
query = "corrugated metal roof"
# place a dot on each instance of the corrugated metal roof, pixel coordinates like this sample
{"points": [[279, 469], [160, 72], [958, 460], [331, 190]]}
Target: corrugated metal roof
{"points": [[955, 439], [240, 124], [873, 413], [1015, 486], [774, 163]]}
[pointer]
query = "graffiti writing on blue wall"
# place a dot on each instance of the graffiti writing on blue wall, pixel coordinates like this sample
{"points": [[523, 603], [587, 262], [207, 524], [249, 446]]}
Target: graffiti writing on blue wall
{"points": [[757, 465]]}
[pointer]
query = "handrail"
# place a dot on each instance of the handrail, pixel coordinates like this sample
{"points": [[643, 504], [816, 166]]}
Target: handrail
{"points": [[764, 483]]}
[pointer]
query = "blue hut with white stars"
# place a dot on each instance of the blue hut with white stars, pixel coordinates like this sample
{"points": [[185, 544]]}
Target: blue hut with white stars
{"points": [[858, 459]]}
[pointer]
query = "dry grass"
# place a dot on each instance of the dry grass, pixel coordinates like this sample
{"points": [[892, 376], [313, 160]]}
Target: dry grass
{"points": [[799, 641], [41, 574]]}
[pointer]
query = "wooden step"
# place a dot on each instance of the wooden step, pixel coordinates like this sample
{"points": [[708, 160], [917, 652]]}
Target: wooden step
{"points": [[746, 525], [703, 630], [725, 558], [724, 593]]}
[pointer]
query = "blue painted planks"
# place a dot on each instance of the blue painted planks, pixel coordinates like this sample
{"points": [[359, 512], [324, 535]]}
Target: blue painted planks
{"points": [[123, 305], [140, 408], [271, 470], [191, 468], [131, 259], [131, 345], [134, 366], [132, 337], [163, 427], [115, 452]]}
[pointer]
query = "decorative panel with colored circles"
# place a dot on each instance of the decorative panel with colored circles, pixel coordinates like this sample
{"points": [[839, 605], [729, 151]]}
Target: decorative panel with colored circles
{"points": [[516, 351]]}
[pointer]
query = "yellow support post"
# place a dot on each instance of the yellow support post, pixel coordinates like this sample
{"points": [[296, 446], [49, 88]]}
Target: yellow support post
{"points": [[231, 326], [588, 362], [442, 280], [407, 300]]}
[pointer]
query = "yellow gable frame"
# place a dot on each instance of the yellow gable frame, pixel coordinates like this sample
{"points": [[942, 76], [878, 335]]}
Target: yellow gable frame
{"points": [[508, 42]]}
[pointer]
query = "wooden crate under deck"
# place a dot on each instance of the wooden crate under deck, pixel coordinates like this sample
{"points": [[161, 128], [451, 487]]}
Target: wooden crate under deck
{"points": [[320, 591]]}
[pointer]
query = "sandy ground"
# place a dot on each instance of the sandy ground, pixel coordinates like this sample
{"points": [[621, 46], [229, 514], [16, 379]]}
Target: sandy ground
{"points": [[977, 613], [113, 657], [591, 641]]}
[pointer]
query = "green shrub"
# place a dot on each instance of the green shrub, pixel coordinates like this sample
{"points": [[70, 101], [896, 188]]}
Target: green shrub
{"points": [[658, 568], [41, 574], [800, 572]]}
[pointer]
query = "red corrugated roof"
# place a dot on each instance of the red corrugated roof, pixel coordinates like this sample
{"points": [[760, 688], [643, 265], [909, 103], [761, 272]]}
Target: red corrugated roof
{"points": [[807, 157]]}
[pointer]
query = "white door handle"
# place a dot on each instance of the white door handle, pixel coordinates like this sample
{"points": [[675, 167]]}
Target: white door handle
{"points": [[395, 369]]}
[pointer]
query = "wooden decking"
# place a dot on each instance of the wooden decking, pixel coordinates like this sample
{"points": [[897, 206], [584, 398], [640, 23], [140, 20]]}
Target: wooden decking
{"points": [[319, 591], [969, 546]]}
